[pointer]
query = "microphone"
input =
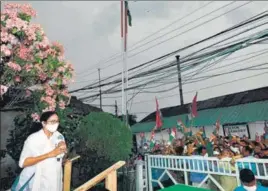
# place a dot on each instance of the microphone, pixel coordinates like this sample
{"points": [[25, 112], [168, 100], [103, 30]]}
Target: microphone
{"points": [[59, 139]]}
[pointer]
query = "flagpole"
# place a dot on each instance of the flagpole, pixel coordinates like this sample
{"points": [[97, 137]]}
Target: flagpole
{"points": [[122, 50], [125, 63]]}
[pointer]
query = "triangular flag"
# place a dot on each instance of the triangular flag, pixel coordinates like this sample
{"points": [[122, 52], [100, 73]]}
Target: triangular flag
{"points": [[158, 120], [172, 135], [152, 140], [194, 107], [180, 125]]}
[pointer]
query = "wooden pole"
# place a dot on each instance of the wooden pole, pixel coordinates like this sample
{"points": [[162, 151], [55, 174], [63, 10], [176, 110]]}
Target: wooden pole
{"points": [[111, 181], [67, 176]]}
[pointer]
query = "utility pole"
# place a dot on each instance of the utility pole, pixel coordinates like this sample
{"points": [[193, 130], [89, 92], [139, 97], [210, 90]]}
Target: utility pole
{"points": [[100, 89], [179, 78], [116, 109]]}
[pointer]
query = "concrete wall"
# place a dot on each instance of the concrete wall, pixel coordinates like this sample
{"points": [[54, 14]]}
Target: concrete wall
{"points": [[253, 128], [6, 125]]}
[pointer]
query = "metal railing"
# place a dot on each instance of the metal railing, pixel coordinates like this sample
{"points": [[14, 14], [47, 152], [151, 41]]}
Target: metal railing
{"points": [[207, 165]]}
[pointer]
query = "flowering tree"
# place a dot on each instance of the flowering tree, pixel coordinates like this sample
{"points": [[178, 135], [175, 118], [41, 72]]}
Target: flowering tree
{"points": [[29, 59]]}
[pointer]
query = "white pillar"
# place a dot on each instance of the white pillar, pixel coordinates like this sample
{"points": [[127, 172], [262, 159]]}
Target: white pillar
{"points": [[139, 175]]}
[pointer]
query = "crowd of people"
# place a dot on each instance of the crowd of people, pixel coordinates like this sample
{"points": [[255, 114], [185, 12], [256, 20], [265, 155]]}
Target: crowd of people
{"points": [[223, 147]]}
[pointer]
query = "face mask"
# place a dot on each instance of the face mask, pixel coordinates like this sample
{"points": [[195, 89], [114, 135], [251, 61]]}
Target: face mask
{"points": [[252, 188], [52, 128]]}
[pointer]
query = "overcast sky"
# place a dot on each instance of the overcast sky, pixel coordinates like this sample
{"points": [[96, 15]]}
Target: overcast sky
{"points": [[90, 33]]}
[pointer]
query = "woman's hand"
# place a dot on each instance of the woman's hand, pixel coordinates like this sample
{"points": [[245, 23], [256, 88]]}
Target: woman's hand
{"points": [[62, 145], [61, 148]]}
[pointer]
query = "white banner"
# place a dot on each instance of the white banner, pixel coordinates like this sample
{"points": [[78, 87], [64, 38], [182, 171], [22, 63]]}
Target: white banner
{"points": [[237, 130]]}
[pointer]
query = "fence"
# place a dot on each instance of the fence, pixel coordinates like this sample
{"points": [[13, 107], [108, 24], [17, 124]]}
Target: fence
{"points": [[208, 165]]}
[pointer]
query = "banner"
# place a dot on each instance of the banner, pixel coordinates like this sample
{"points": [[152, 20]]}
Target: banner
{"points": [[236, 130]]}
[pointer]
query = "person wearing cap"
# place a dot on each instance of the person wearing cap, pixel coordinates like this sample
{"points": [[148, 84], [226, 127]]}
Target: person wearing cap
{"points": [[249, 182]]}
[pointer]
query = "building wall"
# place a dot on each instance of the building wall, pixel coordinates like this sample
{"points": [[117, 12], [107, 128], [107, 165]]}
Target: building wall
{"points": [[255, 127]]}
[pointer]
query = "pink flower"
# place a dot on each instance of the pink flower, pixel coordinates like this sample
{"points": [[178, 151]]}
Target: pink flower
{"points": [[28, 93], [24, 52], [28, 67], [28, 10], [59, 47], [61, 104], [17, 79], [65, 81], [14, 66], [61, 69], [35, 117], [16, 23], [3, 89], [49, 92], [55, 75], [4, 36], [5, 50], [44, 44], [22, 8], [42, 76], [61, 58], [65, 93]]}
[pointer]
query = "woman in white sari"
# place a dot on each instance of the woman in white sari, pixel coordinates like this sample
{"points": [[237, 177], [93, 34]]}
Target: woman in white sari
{"points": [[41, 158]]}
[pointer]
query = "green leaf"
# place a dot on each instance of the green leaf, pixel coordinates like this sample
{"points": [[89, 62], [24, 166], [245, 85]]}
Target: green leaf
{"points": [[3, 23], [14, 30], [39, 36], [24, 17]]}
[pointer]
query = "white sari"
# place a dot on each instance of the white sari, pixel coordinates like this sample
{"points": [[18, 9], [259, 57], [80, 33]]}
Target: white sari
{"points": [[47, 174]]}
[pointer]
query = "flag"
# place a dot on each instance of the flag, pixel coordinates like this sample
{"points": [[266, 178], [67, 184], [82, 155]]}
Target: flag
{"points": [[180, 125], [188, 119], [128, 15], [194, 107], [152, 140], [172, 135], [158, 121], [126, 20], [186, 131], [217, 129]]}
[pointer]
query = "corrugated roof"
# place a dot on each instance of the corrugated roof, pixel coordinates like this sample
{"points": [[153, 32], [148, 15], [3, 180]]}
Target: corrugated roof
{"points": [[260, 94], [242, 113]]}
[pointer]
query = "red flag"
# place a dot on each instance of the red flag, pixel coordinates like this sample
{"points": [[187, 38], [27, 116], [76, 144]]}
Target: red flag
{"points": [[194, 106], [158, 121], [218, 125]]}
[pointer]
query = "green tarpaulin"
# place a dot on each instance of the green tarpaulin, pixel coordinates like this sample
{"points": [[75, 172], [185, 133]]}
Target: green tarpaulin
{"points": [[183, 187]]}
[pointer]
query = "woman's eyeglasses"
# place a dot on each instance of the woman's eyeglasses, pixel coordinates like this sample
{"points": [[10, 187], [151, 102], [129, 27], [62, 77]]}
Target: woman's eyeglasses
{"points": [[52, 122]]}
